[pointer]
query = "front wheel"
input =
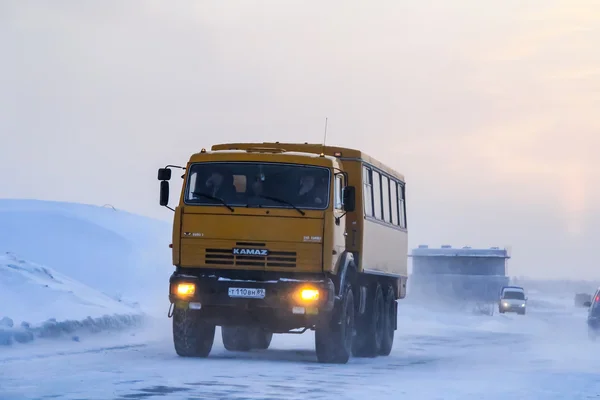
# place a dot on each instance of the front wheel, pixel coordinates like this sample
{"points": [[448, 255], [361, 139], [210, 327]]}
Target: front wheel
{"points": [[333, 338], [192, 336]]}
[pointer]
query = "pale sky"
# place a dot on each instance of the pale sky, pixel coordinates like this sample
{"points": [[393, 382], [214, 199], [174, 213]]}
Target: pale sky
{"points": [[490, 109]]}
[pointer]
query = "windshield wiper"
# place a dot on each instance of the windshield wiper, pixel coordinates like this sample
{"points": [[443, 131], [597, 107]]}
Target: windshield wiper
{"points": [[210, 196], [282, 201]]}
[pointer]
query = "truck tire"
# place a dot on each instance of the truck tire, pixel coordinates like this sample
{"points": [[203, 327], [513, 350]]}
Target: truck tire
{"points": [[262, 339], [192, 336], [389, 307], [370, 333], [237, 338], [333, 338]]}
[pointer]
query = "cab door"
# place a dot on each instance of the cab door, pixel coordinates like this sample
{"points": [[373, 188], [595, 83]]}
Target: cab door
{"points": [[339, 227]]}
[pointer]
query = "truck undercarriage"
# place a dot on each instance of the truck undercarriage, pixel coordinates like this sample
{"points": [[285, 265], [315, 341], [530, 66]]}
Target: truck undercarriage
{"points": [[275, 302], [250, 306]]}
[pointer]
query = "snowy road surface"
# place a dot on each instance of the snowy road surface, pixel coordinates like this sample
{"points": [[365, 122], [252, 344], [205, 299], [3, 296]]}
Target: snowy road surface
{"points": [[543, 355]]}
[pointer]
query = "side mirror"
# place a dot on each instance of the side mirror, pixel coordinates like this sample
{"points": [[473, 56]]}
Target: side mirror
{"points": [[164, 174], [349, 198], [587, 304], [164, 192]]}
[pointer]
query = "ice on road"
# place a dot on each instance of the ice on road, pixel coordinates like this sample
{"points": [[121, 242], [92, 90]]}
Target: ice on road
{"points": [[543, 355]]}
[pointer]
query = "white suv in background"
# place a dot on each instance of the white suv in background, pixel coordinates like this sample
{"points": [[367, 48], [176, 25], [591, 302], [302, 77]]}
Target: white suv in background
{"points": [[512, 299]]}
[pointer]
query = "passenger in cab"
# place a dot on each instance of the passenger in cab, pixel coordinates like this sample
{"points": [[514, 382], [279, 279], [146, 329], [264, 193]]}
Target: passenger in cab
{"points": [[220, 184], [310, 194]]}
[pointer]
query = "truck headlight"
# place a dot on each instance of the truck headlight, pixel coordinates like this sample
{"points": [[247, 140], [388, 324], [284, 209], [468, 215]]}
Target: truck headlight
{"points": [[504, 304], [309, 294], [185, 289]]}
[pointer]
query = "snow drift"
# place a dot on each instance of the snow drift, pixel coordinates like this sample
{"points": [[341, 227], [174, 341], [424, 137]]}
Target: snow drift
{"points": [[121, 254], [30, 293], [65, 267]]}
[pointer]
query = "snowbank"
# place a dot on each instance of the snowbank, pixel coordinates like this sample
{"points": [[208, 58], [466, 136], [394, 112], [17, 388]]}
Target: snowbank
{"points": [[121, 254], [67, 267], [40, 302]]}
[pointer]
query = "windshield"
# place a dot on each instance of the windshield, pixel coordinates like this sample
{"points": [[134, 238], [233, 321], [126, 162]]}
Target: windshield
{"points": [[251, 184], [511, 294]]}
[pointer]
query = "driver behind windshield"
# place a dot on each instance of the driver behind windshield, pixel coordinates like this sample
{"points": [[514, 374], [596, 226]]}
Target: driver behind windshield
{"points": [[220, 184]]}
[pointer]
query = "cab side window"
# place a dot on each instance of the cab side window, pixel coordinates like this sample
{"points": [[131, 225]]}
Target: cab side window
{"points": [[192, 186], [337, 188]]}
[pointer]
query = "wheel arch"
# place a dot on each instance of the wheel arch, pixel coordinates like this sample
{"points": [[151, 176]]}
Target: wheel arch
{"points": [[346, 273]]}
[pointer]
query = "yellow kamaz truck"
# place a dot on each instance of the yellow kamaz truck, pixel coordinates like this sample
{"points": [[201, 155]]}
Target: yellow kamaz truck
{"points": [[285, 237]]}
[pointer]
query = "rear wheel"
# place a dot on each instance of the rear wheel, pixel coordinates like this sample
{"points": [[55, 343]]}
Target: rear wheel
{"points": [[389, 317], [192, 336], [262, 339], [237, 338], [370, 330], [333, 338]]}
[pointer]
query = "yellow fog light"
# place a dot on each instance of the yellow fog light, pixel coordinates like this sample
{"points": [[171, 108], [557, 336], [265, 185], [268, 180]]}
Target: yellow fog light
{"points": [[186, 289], [309, 294]]}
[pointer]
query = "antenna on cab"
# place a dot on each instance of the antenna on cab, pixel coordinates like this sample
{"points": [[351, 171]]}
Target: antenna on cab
{"points": [[324, 138]]}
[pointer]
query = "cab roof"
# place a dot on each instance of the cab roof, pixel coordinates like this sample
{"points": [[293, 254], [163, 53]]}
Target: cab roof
{"points": [[257, 154], [343, 153]]}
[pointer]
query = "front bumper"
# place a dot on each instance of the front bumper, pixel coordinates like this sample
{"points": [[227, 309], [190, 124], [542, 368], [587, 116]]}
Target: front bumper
{"points": [[512, 308], [281, 308]]}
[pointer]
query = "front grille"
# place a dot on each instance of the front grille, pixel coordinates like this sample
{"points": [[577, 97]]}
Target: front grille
{"points": [[226, 257]]}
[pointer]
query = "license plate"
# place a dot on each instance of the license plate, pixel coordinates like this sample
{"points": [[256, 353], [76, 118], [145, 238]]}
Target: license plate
{"points": [[247, 293]]}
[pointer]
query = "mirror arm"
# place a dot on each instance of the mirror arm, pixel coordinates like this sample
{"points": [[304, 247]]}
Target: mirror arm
{"points": [[338, 219], [174, 166]]}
